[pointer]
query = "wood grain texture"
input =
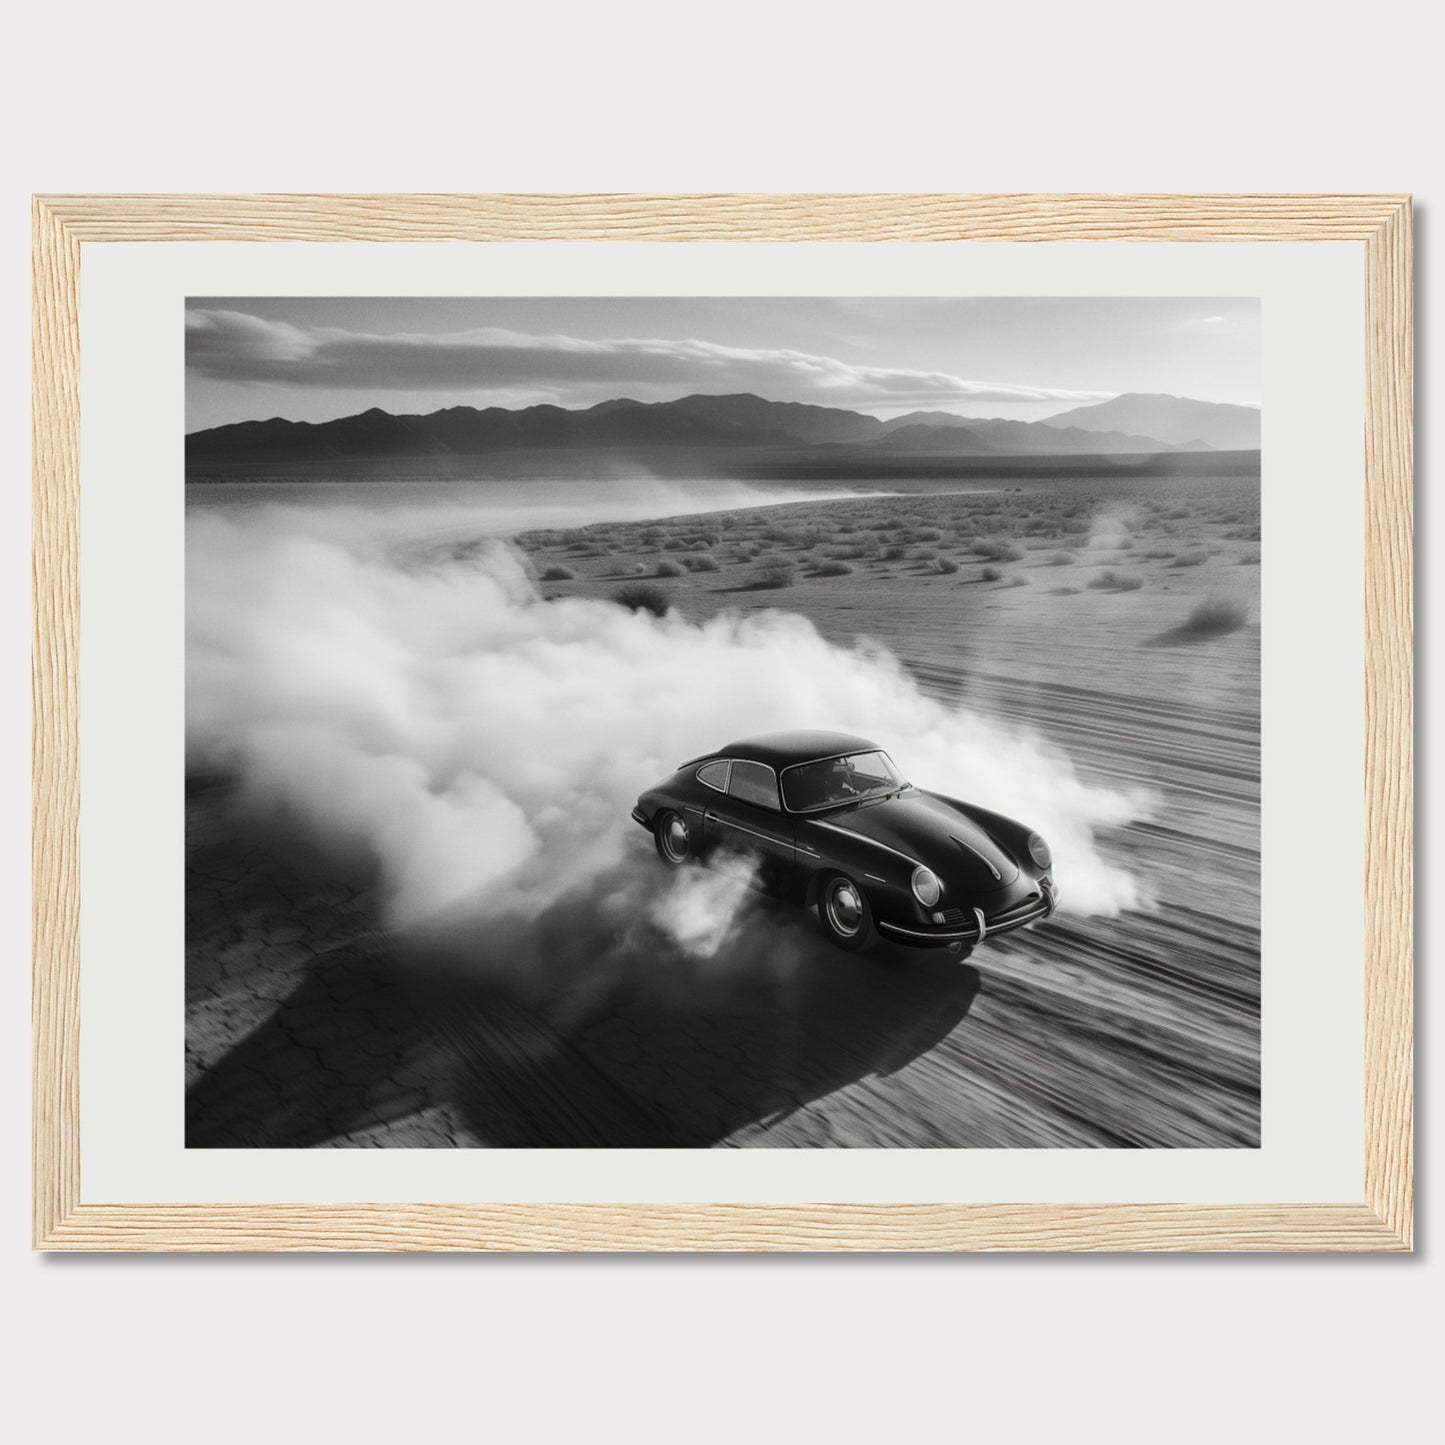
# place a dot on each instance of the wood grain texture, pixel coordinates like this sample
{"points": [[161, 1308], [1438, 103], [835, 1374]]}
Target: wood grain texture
{"points": [[733, 1227], [55, 681], [721, 218], [1381, 1221], [1389, 723]]}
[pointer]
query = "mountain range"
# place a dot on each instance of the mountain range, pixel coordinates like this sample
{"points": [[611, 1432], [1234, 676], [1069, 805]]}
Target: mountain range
{"points": [[1133, 423], [1173, 419]]}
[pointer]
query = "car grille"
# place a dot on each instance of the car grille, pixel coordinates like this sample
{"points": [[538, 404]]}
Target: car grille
{"points": [[1035, 905], [1017, 914], [1027, 908]]}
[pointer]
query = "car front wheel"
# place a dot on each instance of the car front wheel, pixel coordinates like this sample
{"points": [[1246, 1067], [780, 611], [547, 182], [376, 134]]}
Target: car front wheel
{"points": [[846, 917], [673, 838]]}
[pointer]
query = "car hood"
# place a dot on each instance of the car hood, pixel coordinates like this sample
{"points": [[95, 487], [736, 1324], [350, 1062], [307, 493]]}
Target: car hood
{"points": [[930, 831]]}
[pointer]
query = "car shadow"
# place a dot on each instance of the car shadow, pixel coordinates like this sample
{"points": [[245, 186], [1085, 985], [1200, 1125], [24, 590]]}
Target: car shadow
{"points": [[576, 1031], [577, 1036], [581, 1021]]}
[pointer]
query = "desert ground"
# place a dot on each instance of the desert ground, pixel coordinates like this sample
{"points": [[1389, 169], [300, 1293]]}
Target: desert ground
{"points": [[1118, 619]]}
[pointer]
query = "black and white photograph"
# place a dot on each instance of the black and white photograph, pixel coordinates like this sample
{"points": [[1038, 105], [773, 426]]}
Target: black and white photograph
{"points": [[709, 721]]}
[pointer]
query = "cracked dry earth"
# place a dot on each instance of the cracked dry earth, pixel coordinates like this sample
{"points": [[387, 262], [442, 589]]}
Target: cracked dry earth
{"points": [[307, 1026]]}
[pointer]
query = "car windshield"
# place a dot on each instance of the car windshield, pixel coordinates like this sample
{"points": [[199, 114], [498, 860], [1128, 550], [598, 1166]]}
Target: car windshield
{"points": [[831, 782]]}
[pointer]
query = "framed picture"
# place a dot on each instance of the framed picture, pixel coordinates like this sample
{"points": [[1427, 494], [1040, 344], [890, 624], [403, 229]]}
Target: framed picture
{"points": [[723, 723]]}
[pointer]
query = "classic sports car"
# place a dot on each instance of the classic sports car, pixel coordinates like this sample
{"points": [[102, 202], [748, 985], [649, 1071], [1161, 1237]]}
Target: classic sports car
{"points": [[832, 825]]}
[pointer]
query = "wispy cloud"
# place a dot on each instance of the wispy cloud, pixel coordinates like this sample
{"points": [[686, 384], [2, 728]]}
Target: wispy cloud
{"points": [[233, 346]]}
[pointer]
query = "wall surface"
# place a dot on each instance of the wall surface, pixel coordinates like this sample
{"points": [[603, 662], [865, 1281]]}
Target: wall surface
{"points": [[660, 97]]}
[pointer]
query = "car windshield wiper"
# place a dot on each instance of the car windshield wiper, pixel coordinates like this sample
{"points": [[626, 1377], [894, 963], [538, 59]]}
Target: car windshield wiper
{"points": [[889, 792], [854, 801], [878, 797]]}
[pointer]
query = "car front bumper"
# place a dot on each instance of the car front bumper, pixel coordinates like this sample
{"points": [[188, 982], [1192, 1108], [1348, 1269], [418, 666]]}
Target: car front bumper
{"points": [[1040, 903]]}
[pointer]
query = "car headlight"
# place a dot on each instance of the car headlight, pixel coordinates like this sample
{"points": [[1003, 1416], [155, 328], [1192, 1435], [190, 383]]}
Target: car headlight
{"points": [[1039, 851], [926, 887]]}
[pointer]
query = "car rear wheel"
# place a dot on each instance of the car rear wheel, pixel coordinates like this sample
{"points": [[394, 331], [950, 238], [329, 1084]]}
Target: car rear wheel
{"points": [[673, 838], [846, 917]]}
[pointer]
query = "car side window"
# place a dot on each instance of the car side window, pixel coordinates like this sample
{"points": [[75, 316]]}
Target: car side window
{"points": [[754, 783], [715, 775]]}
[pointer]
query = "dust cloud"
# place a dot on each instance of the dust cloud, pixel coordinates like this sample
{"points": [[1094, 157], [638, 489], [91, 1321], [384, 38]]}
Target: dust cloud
{"points": [[483, 748]]}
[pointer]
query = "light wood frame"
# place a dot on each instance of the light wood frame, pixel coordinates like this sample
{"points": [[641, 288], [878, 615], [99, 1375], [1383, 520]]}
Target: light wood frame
{"points": [[64, 226]]}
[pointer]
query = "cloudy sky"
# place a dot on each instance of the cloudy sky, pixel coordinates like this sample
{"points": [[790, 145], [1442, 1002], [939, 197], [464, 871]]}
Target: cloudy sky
{"points": [[314, 358]]}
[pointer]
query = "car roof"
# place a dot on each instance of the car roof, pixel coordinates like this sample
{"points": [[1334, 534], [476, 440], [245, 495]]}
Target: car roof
{"points": [[781, 750]]}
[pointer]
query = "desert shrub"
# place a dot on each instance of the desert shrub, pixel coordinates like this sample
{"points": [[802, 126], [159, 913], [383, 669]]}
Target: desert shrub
{"points": [[893, 552], [1017, 580], [847, 554], [1250, 559], [945, 566], [1111, 581], [674, 544], [992, 574], [924, 534], [667, 569], [1159, 554], [774, 573], [1061, 559], [925, 554], [847, 526], [998, 551], [832, 569], [704, 562], [1191, 558], [642, 597], [558, 574], [1215, 616]]}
